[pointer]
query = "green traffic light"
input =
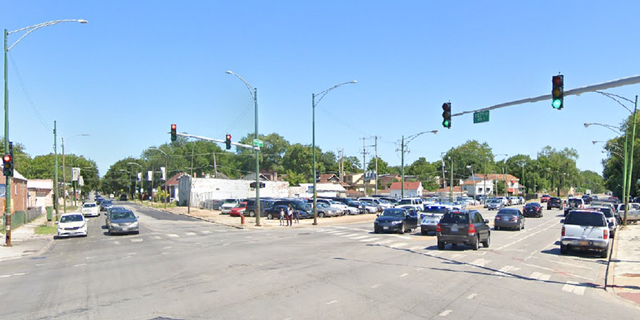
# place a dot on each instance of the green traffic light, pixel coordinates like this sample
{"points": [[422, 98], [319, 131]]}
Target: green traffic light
{"points": [[557, 103], [445, 123]]}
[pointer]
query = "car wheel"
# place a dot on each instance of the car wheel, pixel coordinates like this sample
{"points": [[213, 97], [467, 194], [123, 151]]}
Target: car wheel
{"points": [[496, 228], [376, 230], [252, 213], [563, 249], [269, 216], [486, 243], [605, 254], [440, 245], [476, 244], [401, 229], [321, 214]]}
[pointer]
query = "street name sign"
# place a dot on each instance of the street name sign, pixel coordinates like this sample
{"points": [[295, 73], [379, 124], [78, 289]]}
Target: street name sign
{"points": [[481, 116]]}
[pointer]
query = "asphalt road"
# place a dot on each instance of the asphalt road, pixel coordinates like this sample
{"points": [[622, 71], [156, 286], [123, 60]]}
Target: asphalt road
{"points": [[180, 268]]}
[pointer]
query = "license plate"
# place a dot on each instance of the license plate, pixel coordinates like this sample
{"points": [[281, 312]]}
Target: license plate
{"points": [[385, 228], [584, 243], [454, 228]]}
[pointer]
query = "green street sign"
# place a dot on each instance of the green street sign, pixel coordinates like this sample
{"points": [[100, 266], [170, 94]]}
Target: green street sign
{"points": [[481, 116], [257, 143]]}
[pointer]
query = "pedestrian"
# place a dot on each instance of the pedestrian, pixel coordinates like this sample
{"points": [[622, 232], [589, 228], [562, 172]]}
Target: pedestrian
{"points": [[289, 215], [296, 216], [281, 216]]}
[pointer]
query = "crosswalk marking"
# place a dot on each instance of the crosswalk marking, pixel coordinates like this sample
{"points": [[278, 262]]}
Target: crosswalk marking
{"points": [[573, 287], [540, 276], [414, 248], [385, 241], [369, 239], [359, 237], [503, 272], [479, 262], [190, 233], [397, 245], [137, 240], [156, 237], [205, 232], [173, 235]]}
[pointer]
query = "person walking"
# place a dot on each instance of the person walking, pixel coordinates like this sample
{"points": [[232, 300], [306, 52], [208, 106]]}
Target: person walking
{"points": [[281, 216], [289, 215], [296, 216]]}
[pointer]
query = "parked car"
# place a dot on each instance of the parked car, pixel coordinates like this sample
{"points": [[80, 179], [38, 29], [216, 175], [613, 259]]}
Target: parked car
{"points": [[370, 207], [90, 209], [430, 218], [105, 205], [532, 209], [228, 205], [545, 198], [72, 224], [509, 218], [610, 216], [351, 203], [514, 201], [251, 206], [334, 205], [409, 202], [395, 220], [238, 210], [587, 230], [304, 210], [211, 204], [325, 210], [463, 227], [123, 222], [381, 205], [554, 202]]}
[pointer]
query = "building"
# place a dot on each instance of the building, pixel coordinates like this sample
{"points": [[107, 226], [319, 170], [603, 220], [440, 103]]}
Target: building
{"points": [[18, 193], [513, 186], [475, 186], [40, 194], [412, 189], [202, 189]]}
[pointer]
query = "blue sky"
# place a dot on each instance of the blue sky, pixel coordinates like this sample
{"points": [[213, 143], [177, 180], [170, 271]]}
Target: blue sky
{"points": [[139, 66]]}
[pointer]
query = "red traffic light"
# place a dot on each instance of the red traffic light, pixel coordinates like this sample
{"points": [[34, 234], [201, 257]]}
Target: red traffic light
{"points": [[6, 158], [446, 106], [228, 137], [557, 81], [173, 127]]}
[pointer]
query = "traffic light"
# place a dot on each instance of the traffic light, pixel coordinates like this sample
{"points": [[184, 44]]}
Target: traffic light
{"points": [[446, 115], [557, 93], [173, 132], [228, 141], [7, 161]]}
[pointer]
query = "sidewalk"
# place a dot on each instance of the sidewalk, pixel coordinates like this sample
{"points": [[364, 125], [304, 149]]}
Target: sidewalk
{"points": [[624, 265], [25, 242]]}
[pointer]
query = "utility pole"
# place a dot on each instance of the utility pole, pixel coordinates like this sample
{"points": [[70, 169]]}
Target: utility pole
{"points": [[376, 180], [341, 169], [215, 166], [402, 168], [364, 166], [451, 185], [55, 185]]}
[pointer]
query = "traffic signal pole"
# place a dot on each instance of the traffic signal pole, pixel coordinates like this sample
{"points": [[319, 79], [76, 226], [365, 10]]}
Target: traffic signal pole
{"points": [[7, 214]]}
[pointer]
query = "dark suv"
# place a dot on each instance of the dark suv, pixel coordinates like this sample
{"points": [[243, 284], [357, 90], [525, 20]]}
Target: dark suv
{"points": [[554, 202], [304, 210], [395, 220], [463, 226]]}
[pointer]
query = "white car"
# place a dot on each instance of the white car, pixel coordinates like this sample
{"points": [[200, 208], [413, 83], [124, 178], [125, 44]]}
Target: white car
{"points": [[72, 224], [382, 205], [228, 205], [90, 209], [585, 229]]}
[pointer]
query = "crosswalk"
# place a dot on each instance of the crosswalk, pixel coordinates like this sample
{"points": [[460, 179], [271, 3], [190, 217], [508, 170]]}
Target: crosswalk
{"points": [[465, 259]]}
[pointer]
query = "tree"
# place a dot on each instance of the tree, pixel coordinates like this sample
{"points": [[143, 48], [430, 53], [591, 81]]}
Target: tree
{"points": [[383, 166]]}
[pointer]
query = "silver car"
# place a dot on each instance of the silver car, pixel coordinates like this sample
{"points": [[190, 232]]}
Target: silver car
{"points": [[495, 204]]}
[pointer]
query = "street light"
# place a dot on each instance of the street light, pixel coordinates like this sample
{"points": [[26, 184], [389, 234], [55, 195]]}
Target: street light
{"points": [[473, 179], [313, 143], [28, 30], [141, 180], [166, 169], [64, 170], [254, 94], [129, 182], [504, 175], [402, 151]]}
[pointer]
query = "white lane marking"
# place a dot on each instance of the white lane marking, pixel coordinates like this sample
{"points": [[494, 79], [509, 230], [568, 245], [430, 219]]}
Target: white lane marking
{"points": [[479, 262], [554, 224], [385, 241], [457, 256], [536, 275], [352, 235], [156, 237], [89, 258], [404, 275], [572, 286], [445, 313], [375, 286], [358, 237], [80, 265], [116, 242], [126, 257], [332, 301], [333, 231], [503, 271], [40, 264], [205, 232], [5, 276], [545, 277], [137, 240], [471, 296], [190, 233], [167, 247], [339, 233], [369, 239], [415, 248], [397, 245], [132, 253], [579, 290], [164, 253], [19, 274], [552, 270], [173, 235]]}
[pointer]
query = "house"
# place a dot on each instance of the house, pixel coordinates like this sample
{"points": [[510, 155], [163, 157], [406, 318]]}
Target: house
{"points": [[513, 183], [18, 193], [203, 189], [446, 193], [40, 193], [328, 178], [322, 190], [412, 189], [172, 186], [476, 186]]}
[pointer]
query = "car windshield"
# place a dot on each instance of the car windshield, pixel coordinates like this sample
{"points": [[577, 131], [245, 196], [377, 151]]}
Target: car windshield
{"points": [[456, 217], [122, 215], [508, 212], [71, 218], [532, 204], [393, 213], [229, 201], [405, 201], [581, 218], [89, 205]]}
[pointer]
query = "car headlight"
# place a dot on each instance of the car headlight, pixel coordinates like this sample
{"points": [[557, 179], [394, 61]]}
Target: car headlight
{"points": [[396, 222], [115, 224], [134, 225]]}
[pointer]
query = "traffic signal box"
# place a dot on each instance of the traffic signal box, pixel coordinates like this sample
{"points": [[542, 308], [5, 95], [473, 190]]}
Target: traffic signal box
{"points": [[557, 93], [174, 136], [7, 162], [446, 115], [228, 141]]}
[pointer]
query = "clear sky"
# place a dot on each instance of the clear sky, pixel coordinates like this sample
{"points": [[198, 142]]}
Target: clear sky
{"points": [[139, 66]]}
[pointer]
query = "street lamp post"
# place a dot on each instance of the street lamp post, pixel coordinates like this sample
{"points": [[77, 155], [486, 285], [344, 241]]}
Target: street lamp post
{"points": [[254, 94], [313, 142], [166, 170], [27, 30], [64, 170], [129, 180], [473, 180], [141, 180], [403, 144]]}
